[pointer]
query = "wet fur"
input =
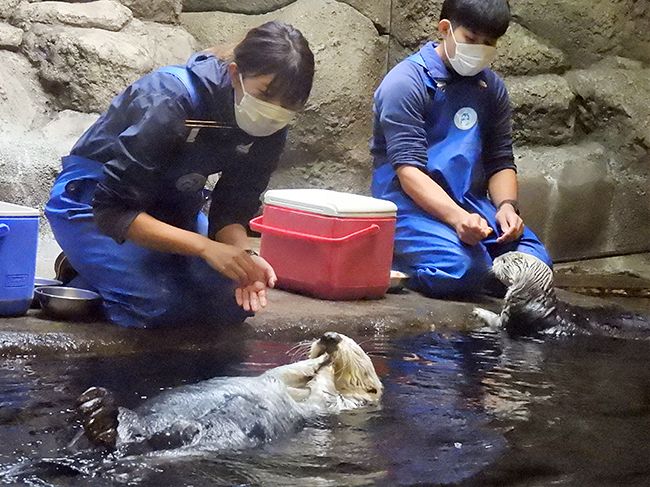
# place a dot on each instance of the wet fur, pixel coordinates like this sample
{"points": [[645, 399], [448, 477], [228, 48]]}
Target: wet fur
{"points": [[232, 413], [532, 307]]}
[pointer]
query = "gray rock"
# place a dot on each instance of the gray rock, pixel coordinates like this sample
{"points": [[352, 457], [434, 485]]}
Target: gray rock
{"points": [[166, 11], [10, 37], [235, 6], [23, 104], [7, 8], [415, 21], [543, 109], [396, 52], [31, 159], [85, 68], [378, 11], [330, 137], [584, 29], [523, 53], [565, 195], [102, 14], [636, 38], [65, 129], [166, 44], [614, 107], [28, 166]]}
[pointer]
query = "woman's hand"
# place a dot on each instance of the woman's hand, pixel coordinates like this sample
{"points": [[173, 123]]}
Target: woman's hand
{"points": [[234, 263], [472, 228], [511, 224], [253, 296]]}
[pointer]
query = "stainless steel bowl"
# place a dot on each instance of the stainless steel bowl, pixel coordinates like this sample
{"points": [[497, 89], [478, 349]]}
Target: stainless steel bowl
{"points": [[69, 303], [40, 282], [43, 281]]}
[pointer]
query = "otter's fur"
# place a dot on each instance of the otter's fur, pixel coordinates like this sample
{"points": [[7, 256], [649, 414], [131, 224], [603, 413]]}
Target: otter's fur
{"points": [[232, 413], [531, 305]]}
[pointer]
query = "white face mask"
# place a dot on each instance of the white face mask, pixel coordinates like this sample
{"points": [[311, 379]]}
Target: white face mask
{"points": [[260, 118], [470, 59]]}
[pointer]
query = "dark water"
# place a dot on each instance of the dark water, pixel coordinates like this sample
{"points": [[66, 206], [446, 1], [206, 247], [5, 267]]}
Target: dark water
{"points": [[459, 409]]}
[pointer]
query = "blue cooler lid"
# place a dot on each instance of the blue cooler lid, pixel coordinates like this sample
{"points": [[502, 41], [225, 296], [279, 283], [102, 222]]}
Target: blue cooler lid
{"points": [[9, 210], [331, 203]]}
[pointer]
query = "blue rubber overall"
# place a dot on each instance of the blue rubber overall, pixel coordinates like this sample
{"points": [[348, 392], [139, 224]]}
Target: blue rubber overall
{"points": [[140, 287], [427, 249]]}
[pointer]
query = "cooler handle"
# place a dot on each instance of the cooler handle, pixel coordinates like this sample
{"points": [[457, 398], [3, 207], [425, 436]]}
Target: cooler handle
{"points": [[4, 229], [256, 225]]}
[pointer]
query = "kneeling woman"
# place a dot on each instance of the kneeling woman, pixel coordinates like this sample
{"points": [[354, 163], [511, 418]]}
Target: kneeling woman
{"points": [[126, 208]]}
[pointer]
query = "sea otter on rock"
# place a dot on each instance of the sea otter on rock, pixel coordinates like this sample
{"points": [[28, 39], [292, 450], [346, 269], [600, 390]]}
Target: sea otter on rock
{"points": [[532, 307], [233, 413]]}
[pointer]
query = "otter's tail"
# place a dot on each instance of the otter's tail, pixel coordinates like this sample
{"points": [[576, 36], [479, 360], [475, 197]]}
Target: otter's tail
{"points": [[99, 415]]}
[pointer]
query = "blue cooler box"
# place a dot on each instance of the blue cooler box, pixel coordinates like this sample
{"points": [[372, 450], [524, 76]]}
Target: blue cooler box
{"points": [[18, 243]]}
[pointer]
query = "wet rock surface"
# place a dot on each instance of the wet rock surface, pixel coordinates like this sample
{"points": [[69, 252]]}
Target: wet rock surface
{"points": [[289, 316]]}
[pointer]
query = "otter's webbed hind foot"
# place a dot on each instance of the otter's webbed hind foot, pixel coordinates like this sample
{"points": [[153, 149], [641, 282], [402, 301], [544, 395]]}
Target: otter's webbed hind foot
{"points": [[99, 416]]}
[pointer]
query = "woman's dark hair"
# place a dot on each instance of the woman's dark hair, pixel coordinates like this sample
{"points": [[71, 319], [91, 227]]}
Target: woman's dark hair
{"points": [[487, 17], [279, 49]]}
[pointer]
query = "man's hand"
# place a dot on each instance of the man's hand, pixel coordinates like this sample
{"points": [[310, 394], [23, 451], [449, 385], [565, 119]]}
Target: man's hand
{"points": [[472, 228], [511, 224]]}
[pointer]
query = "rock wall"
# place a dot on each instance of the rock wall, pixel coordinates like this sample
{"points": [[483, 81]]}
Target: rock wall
{"points": [[578, 81]]}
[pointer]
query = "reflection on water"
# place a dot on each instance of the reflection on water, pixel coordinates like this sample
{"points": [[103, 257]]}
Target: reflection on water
{"points": [[459, 409]]}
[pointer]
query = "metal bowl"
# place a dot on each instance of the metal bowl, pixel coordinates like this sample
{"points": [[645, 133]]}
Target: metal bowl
{"points": [[40, 282], [69, 303], [43, 281]]}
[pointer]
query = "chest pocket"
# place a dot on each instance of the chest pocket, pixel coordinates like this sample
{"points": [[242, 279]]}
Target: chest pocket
{"points": [[210, 146]]}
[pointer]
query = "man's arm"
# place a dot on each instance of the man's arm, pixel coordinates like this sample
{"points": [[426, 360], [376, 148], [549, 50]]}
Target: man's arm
{"points": [[429, 195], [503, 193], [400, 103]]}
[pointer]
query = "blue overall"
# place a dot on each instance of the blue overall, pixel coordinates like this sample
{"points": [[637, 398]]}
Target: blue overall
{"points": [[427, 249], [142, 287]]}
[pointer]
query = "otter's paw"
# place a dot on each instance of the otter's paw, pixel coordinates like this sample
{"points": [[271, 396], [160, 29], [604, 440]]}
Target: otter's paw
{"points": [[99, 416], [487, 317]]}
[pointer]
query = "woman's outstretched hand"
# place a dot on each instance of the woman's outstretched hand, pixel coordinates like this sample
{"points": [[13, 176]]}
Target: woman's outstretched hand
{"points": [[253, 297]]}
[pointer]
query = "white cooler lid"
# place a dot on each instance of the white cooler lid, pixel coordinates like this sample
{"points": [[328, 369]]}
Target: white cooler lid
{"points": [[9, 210], [330, 203]]}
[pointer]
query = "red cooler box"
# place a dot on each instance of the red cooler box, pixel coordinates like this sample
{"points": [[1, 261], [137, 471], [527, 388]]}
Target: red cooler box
{"points": [[328, 244]]}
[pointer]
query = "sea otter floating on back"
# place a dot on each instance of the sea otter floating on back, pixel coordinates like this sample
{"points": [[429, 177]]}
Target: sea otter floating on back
{"points": [[232, 413]]}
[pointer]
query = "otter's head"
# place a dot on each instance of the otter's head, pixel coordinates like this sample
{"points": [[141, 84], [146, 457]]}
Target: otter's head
{"points": [[354, 375], [530, 301], [523, 271]]}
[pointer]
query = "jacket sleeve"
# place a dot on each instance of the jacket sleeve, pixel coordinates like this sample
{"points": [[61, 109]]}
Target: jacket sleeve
{"points": [[498, 153], [400, 105], [154, 130], [236, 197]]}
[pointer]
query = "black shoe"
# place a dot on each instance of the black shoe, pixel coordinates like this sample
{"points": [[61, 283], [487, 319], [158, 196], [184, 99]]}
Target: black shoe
{"points": [[63, 270]]}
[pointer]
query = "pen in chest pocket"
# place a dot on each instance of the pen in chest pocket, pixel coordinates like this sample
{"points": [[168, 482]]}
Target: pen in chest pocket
{"points": [[196, 126]]}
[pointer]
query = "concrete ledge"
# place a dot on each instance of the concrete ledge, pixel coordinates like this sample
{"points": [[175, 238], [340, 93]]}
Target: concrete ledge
{"points": [[289, 315]]}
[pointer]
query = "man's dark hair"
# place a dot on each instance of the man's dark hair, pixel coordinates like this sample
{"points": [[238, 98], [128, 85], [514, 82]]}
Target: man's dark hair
{"points": [[279, 49], [487, 17]]}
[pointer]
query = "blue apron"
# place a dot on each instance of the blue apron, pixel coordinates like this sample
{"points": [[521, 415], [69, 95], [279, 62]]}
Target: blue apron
{"points": [[140, 287], [425, 248]]}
